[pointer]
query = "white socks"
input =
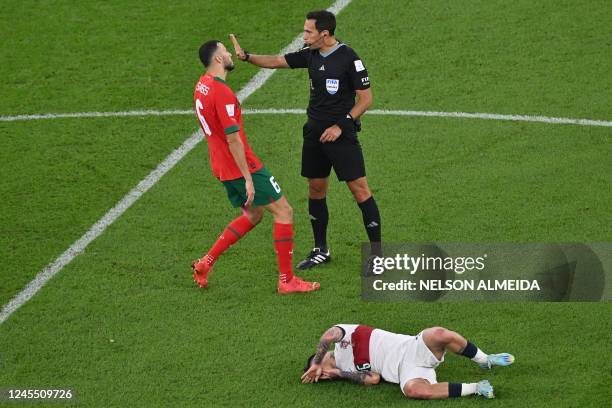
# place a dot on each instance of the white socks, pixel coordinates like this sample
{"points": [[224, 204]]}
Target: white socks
{"points": [[469, 389], [480, 358]]}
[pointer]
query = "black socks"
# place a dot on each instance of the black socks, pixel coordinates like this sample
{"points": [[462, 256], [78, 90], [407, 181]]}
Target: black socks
{"points": [[319, 216], [371, 222]]}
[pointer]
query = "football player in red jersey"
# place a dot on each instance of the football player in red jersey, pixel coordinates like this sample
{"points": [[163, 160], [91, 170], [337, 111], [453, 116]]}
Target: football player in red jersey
{"points": [[364, 355], [248, 183]]}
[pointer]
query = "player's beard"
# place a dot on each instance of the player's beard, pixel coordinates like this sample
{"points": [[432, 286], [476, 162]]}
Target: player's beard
{"points": [[229, 66]]}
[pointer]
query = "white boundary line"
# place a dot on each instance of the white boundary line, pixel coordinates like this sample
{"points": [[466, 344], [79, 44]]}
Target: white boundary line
{"points": [[256, 84], [111, 216], [496, 116], [94, 115]]}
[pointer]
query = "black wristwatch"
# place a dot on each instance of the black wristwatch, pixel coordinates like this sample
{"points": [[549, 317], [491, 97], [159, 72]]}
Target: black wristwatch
{"points": [[246, 55], [348, 124], [356, 123]]}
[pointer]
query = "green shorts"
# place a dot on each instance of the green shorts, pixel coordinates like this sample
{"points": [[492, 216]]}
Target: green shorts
{"points": [[267, 189]]}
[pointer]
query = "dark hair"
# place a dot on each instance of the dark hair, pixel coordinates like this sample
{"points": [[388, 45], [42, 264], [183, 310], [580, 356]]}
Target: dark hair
{"points": [[324, 20], [309, 363], [207, 50]]}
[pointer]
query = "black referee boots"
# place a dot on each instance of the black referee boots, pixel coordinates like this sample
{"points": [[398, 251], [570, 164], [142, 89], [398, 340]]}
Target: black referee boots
{"points": [[316, 257]]}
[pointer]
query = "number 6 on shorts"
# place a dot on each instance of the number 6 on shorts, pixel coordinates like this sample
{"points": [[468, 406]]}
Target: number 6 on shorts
{"points": [[275, 185]]}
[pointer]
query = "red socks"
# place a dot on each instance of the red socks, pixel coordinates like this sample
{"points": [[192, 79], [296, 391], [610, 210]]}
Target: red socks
{"points": [[232, 233], [283, 243]]}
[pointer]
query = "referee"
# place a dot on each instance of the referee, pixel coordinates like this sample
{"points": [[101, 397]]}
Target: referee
{"points": [[337, 75]]}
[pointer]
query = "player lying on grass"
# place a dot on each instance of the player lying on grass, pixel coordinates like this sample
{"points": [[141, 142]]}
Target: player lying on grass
{"points": [[248, 183], [365, 355]]}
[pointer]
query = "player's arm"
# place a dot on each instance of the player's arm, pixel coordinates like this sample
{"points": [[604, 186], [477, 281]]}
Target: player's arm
{"points": [[331, 335], [361, 378], [236, 148], [365, 378], [264, 61], [225, 105]]}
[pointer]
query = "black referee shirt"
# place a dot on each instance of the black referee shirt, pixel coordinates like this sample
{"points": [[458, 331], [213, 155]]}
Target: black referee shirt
{"points": [[334, 77]]}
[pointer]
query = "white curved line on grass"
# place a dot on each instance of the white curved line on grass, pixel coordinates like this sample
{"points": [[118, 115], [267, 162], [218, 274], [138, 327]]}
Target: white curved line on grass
{"points": [[272, 111]]}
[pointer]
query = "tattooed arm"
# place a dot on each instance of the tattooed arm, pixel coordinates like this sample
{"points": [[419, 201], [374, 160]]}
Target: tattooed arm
{"points": [[331, 335], [367, 378], [361, 378]]}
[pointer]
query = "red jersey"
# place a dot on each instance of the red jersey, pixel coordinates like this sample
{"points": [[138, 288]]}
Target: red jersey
{"points": [[219, 114]]}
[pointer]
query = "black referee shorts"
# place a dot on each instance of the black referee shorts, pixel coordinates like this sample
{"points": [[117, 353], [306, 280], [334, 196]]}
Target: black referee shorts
{"points": [[344, 154]]}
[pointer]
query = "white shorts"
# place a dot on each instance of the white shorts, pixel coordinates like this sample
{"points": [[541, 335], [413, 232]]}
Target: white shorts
{"points": [[418, 362]]}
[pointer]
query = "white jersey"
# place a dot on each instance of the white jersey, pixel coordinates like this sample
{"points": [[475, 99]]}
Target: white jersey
{"points": [[367, 349]]}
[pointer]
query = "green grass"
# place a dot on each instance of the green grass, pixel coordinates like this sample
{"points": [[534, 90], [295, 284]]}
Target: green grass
{"points": [[238, 343], [122, 55], [522, 57], [62, 176]]}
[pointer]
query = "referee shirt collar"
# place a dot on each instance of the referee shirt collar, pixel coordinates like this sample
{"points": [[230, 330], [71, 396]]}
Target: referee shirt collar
{"points": [[330, 52]]}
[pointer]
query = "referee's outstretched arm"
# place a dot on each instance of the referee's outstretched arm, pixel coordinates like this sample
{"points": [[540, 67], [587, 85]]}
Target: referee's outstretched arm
{"points": [[264, 61]]}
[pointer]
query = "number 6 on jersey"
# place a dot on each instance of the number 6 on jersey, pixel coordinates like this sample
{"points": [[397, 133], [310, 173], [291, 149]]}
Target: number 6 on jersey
{"points": [[199, 108]]}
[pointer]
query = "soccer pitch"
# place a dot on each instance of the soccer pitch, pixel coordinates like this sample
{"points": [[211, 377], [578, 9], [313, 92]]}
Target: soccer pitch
{"points": [[124, 325]]}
